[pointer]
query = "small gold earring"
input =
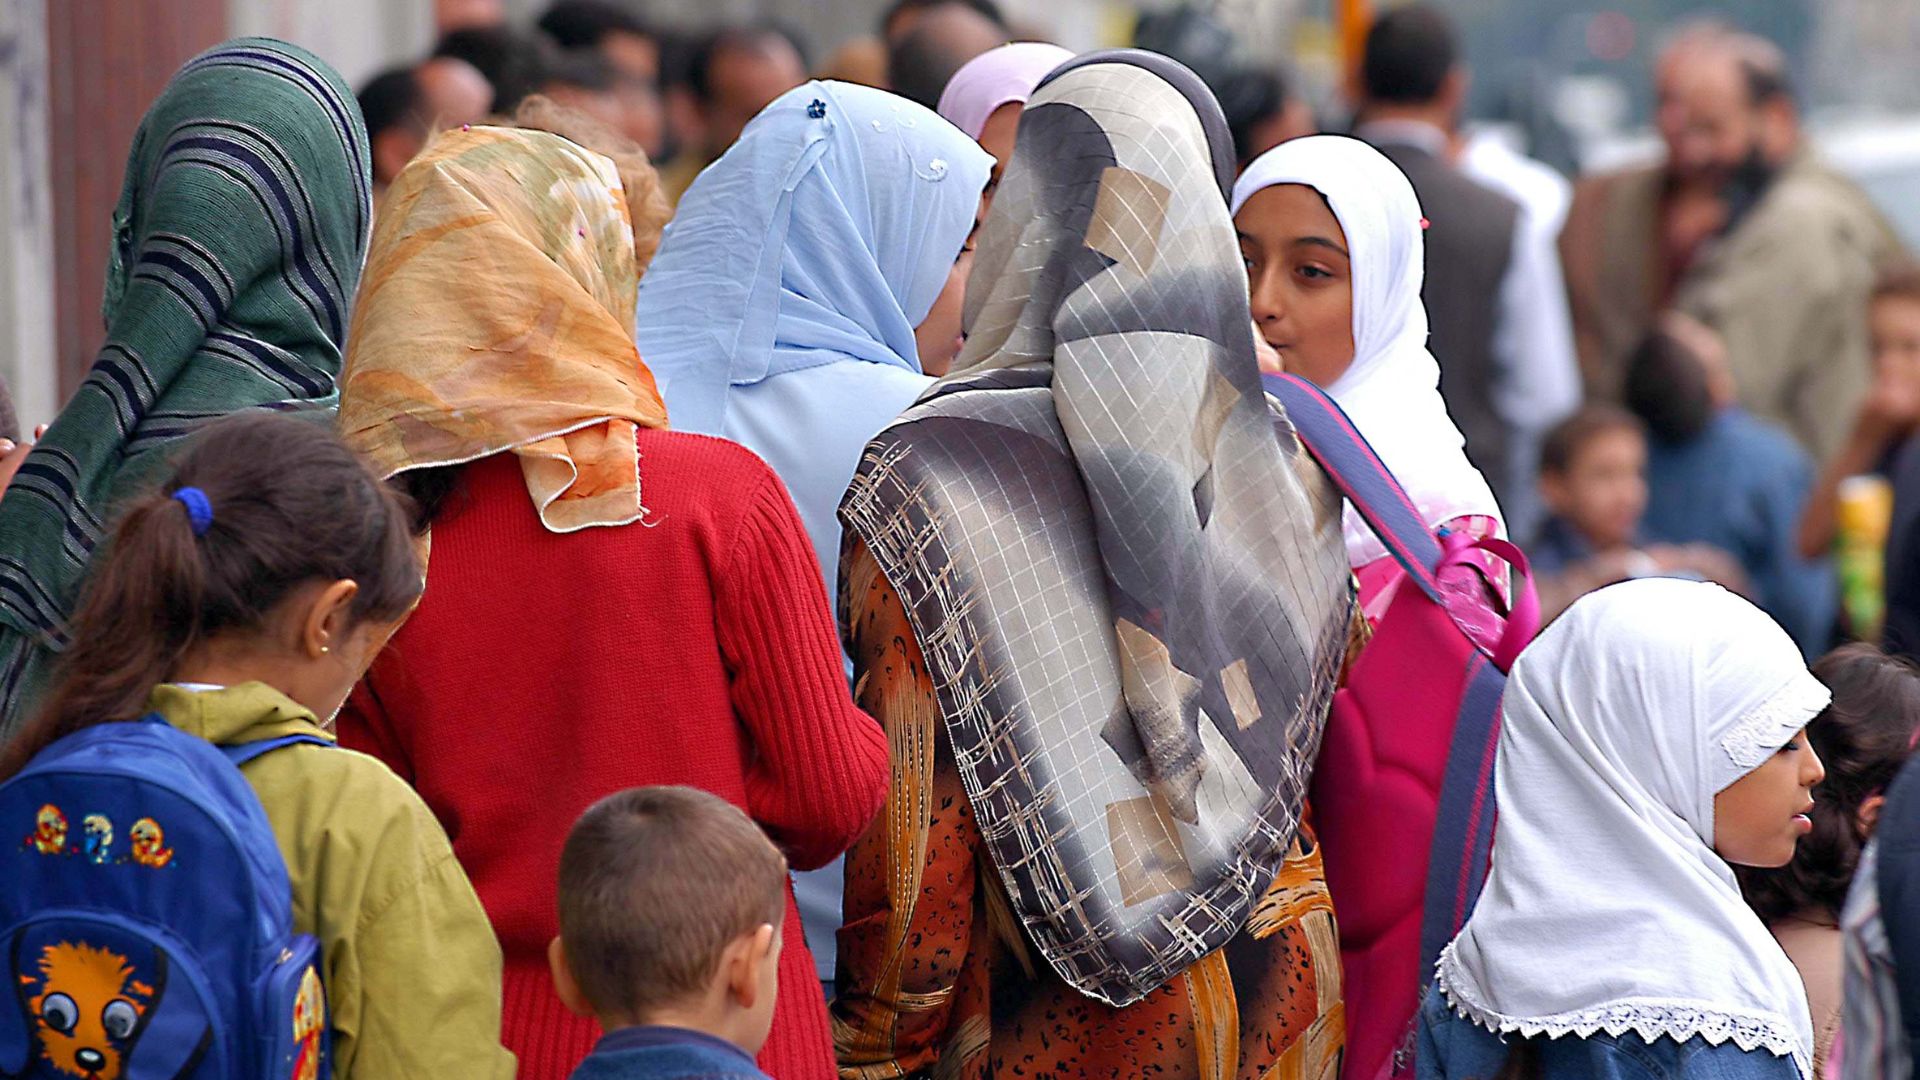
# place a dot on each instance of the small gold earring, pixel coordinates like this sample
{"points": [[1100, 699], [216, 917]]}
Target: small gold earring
{"points": [[324, 649]]}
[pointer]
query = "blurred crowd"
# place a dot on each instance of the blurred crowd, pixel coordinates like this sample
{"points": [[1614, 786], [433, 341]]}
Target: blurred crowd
{"points": [[1672, 369]]}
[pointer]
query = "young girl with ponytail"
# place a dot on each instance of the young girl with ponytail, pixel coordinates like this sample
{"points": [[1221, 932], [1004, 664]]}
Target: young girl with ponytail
{"points": [[241, 601]]}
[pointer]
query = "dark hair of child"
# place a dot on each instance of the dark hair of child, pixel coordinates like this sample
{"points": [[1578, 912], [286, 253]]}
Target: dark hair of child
{"points": [[1572, 435], [290, 504], [655, 883], [1862, 738], [1667, 389]]}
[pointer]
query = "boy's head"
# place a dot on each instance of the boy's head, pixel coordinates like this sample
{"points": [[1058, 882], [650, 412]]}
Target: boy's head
{"points": [[1678, 379], [1593, 474], [671, 902], [1894, 319]]}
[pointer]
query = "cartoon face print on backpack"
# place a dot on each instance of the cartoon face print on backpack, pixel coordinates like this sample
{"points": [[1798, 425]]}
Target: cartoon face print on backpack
{"points": [[98, 839], [49, 835], [149, 844], [86, 1004]]}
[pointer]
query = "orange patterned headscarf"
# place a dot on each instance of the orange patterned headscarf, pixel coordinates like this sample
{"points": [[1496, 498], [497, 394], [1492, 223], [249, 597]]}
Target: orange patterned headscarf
{"points": [[495, 314]]}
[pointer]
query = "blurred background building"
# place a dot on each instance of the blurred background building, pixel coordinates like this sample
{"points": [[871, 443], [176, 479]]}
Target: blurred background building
{"points": [[1568, 81]]}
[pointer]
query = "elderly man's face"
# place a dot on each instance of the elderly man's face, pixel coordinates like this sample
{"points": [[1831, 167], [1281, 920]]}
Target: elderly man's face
{"points": [[1706, 117]]}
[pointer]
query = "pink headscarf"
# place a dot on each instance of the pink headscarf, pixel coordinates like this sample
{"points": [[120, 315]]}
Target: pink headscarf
{"points": [[994, 78]]}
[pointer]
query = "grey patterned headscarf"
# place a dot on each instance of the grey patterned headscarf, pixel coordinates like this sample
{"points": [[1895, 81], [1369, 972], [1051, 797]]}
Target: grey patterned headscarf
{"points": [[1127, 580]]}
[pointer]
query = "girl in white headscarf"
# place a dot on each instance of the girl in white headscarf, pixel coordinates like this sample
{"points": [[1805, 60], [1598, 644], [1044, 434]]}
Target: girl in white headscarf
{"points": [[1652, 735], [1331, 232]]}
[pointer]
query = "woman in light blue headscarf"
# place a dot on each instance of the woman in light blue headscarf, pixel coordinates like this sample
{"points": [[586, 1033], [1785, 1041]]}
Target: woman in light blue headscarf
{"points": [[780, 311]]}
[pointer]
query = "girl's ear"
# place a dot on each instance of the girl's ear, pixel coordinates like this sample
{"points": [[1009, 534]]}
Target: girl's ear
{"points": [[1867, 818], [325, 624]]}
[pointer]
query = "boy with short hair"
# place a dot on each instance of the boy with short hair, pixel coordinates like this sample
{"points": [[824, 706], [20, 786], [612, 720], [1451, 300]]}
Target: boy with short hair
{"points": [[1593, 479], [671, 902]]}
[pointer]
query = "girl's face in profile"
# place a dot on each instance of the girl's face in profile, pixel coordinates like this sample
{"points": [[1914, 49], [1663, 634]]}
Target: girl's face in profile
{"points": [[1300, 280], [1759, 818]]}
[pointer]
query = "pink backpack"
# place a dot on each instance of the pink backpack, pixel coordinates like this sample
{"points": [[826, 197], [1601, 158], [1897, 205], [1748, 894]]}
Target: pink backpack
{"points": [[1402, 794]]}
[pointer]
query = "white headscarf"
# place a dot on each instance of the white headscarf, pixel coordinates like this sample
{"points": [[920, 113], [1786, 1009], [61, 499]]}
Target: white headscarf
{"points": [[1606, 908], [1392, 391]]}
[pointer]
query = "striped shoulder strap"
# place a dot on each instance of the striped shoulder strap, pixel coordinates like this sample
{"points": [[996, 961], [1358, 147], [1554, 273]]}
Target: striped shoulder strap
{"points": [[1362, 477]]}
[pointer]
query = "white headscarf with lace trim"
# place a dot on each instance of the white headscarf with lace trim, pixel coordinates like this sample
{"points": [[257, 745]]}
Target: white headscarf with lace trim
{"points": [[1606, 908]]}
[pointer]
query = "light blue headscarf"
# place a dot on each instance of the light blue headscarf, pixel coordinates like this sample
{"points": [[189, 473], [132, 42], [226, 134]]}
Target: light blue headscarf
{"points": [[780, 309]]}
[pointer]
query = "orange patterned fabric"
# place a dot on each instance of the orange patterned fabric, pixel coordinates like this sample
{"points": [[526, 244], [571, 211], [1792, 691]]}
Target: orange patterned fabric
{"points": [[495, 314], [936, 976]]}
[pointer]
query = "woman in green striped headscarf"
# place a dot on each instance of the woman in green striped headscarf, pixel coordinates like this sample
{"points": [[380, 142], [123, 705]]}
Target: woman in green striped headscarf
{"points": [[236, 249]]}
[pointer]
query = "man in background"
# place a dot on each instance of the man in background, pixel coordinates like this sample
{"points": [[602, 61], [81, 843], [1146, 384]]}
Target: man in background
{"points": [[904, 15], [939, 41], [402, 107], [1742, 228], [514, 62], [609, 27], [633, 51], [1493, 289], [1262, 111], [585, 81], [730, 77]]}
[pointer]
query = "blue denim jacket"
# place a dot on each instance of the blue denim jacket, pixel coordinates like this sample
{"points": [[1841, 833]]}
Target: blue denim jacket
{"points": [[1452, 1047], [666, 1053]]}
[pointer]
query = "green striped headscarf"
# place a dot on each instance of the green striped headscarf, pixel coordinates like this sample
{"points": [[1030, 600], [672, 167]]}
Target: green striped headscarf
{"points": [[236, 249]]}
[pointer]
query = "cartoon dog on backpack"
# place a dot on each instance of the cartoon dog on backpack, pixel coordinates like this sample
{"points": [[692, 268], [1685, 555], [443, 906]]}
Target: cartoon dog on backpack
{"points": [[86, 1005]]}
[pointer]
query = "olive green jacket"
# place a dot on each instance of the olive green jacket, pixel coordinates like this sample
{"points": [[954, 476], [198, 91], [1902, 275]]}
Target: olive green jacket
{"points": [[410, 963]]}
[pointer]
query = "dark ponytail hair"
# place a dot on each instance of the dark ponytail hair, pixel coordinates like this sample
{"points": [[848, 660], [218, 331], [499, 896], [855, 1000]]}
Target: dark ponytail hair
{"points": [[290, 505], [1862, 739]]}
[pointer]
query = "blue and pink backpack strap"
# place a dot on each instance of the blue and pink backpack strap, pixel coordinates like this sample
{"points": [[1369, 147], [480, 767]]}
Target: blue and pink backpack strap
{"points": [[1463, 828], [1363, 478]]}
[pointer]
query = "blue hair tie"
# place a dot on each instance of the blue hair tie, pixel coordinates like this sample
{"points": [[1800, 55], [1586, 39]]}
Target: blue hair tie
{"points": [[199, 509]]}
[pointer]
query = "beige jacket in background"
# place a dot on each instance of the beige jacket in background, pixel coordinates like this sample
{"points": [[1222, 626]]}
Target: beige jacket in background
{"points": [[1787, 289]]}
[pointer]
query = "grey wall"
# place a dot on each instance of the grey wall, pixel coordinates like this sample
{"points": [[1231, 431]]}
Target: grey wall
{"points": [[27, 350]]}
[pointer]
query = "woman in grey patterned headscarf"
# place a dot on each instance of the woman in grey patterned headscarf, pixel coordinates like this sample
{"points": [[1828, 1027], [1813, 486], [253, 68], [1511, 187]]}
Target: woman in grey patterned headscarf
{"points": [[1098, 599]]}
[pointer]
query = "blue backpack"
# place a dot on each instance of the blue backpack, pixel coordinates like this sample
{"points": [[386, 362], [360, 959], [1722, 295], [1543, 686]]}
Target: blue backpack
{"points": [[146, 920]]}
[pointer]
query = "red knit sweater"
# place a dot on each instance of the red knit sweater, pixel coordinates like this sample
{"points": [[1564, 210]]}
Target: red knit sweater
{"points": [[543, 671]]}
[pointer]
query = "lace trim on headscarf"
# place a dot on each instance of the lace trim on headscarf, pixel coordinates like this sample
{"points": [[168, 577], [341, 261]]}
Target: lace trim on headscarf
{"points": [[1759, 734], [1649, 1018]]}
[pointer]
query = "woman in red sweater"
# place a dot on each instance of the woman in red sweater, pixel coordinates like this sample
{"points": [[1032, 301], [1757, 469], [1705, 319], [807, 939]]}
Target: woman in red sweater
{"points": [[608, 603]]}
